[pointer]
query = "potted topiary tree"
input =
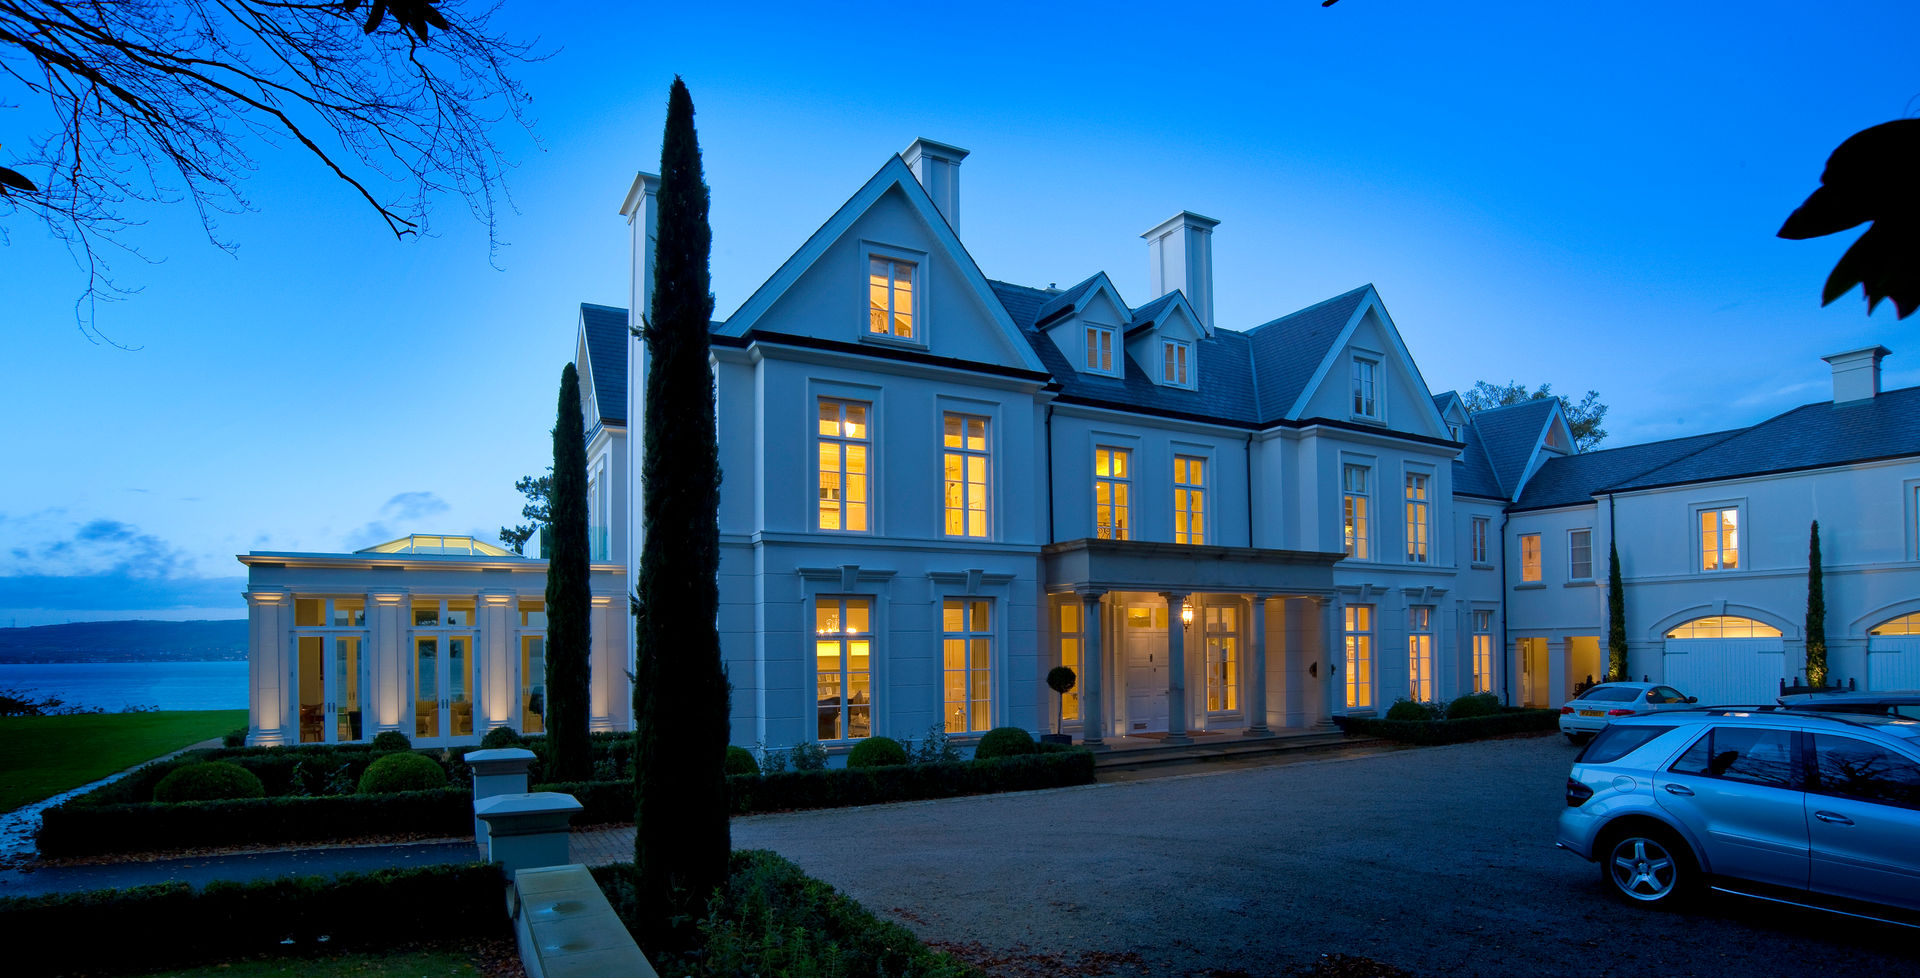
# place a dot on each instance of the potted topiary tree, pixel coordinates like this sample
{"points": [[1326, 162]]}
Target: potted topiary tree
{"points": [[1060, 679]]}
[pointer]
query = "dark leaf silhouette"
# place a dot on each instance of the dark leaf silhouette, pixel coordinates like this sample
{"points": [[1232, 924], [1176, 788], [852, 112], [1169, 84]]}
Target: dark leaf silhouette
{"points": [[1873, 176], [11, 178]]}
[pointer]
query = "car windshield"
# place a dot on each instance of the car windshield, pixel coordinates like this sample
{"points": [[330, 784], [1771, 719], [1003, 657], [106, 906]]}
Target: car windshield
{"points": [[1617, 741], [1611, 694]]}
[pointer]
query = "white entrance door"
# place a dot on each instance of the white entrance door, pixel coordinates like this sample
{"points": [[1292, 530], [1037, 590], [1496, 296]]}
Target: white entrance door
{"points": [[1146, 631], [1893, 662], [1727, 671], [330, 676], [443, 682]]}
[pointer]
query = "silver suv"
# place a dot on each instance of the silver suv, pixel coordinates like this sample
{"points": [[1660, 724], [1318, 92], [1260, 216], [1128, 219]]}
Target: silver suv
{"points": [[1812, 809]]}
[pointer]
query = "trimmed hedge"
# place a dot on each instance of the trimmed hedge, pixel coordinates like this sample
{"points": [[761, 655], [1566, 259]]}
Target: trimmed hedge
{"points": [[1430, 732], [87, 830], [403, 772], [1004, 742], [208, 781], [876, 752], [741, 761], [791, 790], [152, 928]]}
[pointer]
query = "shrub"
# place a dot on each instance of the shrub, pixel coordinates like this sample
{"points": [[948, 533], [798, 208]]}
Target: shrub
{"points": [[1004, 742], [1412, 710], [391, 740], [208, 781], [877, 752], [235, 738], [809, 756], [740, 761], [403, 772], [934, 748], [1475, 705], [1452, 731], [793, 790], [500, 738], [86, 830]]}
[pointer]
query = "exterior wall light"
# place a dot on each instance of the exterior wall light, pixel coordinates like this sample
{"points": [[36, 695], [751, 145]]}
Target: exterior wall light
{"points": [[1186, 613]]}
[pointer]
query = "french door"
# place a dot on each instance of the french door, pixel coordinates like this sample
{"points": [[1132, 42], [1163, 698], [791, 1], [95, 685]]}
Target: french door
{"points": [[443, 681], [330, 680]]}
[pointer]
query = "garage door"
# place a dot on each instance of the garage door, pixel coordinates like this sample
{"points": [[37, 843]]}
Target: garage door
{"points": [[1745, 671], [1893, 662]]}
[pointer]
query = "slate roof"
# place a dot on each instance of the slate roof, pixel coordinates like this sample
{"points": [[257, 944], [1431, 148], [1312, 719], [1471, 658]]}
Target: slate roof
{"points": [[1509, 435], [1288, 350], [1807, 437], [606, 329], [1065, 300], [1472, 473], [1571, 479], [1145, 315]]}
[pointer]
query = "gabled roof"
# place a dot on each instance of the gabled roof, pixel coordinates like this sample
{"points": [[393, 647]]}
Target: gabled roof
{"points": [[1808, 437], [1070, 302], [1572, 479], [606, 334], [1288, 351], [1472, 473], [1153, 313], [1512, 435]]}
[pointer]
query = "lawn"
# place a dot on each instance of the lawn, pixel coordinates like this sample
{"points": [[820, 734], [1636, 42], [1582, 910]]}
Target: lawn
{"points": [[399, 964], [43, 756]]}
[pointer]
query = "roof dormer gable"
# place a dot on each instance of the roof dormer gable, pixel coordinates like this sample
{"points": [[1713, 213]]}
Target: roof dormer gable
{"points": [[1164, 337], [1367, 377], [1088, 324]]}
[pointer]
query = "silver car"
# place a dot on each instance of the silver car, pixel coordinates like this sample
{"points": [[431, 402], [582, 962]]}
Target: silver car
{"points": [[1813, 809], [1600, 704], [1896, 702]]}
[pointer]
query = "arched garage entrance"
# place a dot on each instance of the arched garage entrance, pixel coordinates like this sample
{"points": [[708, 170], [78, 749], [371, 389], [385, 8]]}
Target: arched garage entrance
{"points": [[1893, 654], [1726, 659]]}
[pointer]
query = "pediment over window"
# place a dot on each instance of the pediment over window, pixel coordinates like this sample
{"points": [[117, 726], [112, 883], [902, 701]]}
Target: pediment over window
{"points": [[1164, 337]]}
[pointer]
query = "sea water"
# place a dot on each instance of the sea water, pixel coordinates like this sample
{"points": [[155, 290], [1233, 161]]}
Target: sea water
{"points": [[113, 686]]}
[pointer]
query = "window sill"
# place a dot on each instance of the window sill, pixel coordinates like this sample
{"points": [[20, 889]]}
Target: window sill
{"points": [[1367, 419], [1584, 582], [889, 340], [1531, 586], [1480, 565]]}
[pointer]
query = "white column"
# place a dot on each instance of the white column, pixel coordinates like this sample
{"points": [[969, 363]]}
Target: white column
{"points": [[1334, 637], [1092, 706], [1176, 669], [495, 699], [1256, 711], [602, 688], [391, 699], [267, 666]]}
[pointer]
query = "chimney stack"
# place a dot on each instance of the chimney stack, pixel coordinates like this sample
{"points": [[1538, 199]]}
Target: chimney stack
{"points": [[1180, 256], [642, 211], [937, 167], [1856, 374]]}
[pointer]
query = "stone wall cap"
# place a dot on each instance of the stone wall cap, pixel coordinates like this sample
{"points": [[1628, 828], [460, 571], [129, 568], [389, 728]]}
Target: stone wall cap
{"points": [[499, 754], [530, 803]]}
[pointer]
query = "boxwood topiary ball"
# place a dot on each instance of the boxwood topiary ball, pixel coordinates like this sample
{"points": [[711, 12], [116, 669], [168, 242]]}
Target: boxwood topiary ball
{"points": [[391, 740], [1004, 742], [498, 738], [740, 761], [877, 752], [403, 772], [208, 781]]}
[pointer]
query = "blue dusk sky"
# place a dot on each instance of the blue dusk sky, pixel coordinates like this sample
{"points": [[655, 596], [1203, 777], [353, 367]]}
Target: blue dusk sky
{"points": [[1580, 194]]}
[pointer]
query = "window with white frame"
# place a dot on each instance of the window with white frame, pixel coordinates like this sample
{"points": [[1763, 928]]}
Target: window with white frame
{"points": [[1580, 554], [1359, 634], [1420, 653], [1175, 366], [1071, 633], [843, 656], [890, 295], [1477, 538], [964, 461], [1366, 395], [1482, 650], [1100, 348], [1353, 510], [1720, 539], [1417, 518], [1189, 499], [1530, 557], [1222, 634], [966, 638], [845, 445], [1112, 493]]}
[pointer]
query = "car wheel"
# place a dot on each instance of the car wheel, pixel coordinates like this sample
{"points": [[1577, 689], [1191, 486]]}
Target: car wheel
{"points": [[1578, 740], [1649, 867]]}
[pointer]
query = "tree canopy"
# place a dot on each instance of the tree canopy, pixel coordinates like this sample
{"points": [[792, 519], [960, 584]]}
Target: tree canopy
{"points": [[537, 511], [1583, 418], [139, 102], [1870, 178]]}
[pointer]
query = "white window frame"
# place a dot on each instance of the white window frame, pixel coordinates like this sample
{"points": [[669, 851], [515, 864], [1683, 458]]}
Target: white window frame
{"points": [[1120, 514], [1115, 354], [846, 637], [1420, 681], [1418, 510], [1573, 564], [1482, 649], [1193, 489], [1355, 531], [843, 441], [1357, 623], [1177, 368], [1538, 564], [1477, 534], [1742, 560], [1363, 399], [871, 251], [967, 635], [965, 454]]}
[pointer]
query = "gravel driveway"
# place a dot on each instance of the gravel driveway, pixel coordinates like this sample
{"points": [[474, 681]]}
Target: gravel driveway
{"points": [[1439, 861]]}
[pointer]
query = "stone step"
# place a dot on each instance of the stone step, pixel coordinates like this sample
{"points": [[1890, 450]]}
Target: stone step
{"points": [[1205, 749]]}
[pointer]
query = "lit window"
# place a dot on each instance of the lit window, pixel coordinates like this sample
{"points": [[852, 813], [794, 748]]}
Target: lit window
{"points": [[1420, 653], [844, 448], [1359, 656], [1174, 368], [1417, 526], [1100, 349], [1724, 626], [1719, 539], [890, 298], [965, 464], [1366, 402], [1353, 510], [1530, 557], [1482, 651], [1112, 493], [1478, 538], [1904, 625], [966, 637], [1189, 499], [1071, 634], [842, 652], [1223, 657], [1580, 555]]}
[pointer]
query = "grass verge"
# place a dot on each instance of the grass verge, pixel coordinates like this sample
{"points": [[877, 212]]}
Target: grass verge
{"points": [[42, 756], [397, 964]]}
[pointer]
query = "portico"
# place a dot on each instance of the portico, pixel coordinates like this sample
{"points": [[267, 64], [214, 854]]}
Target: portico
{"points": [[1171, 639]]}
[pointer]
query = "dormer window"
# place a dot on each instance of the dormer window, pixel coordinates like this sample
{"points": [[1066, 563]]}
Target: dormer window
{"points": [[890, 291], [1176, 363], [1366, 400], [1100, 349]]}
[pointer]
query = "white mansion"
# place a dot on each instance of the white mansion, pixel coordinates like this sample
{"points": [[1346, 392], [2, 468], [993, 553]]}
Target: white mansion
{"points": [[939, 486]]}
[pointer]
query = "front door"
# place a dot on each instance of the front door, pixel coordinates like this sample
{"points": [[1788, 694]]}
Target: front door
{"points": [[1146, 668], [443, 688], [1533, 672], [330, 677]]}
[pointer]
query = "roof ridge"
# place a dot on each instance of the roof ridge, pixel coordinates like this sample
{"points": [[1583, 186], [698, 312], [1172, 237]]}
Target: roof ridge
{"points": [[1303, 309]]}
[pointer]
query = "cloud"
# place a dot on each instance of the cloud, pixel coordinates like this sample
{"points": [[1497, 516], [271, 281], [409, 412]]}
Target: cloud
{"points": [[106, 569], [101, 546], [398, 517]]}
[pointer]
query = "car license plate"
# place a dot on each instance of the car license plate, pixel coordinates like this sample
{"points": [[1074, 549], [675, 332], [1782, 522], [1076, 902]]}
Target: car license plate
{"points": [[1592, 713]]}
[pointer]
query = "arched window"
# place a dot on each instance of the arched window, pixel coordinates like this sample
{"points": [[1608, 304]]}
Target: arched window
{"points": [[1724, 626], [1903, 625]]}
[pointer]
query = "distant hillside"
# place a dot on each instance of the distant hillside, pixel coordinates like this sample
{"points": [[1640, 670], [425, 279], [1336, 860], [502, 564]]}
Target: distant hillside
{"points": [[123, 641]]}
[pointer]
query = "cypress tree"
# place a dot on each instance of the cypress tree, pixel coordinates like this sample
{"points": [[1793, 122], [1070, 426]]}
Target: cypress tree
{"points": [[569, 607], [1816, 627], [681, 838], [1616, 617]]}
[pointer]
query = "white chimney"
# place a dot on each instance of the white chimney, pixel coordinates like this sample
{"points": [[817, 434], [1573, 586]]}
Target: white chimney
{"points": [[1180, 256], [642, 211], [937, 167], [1856, 374]]}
